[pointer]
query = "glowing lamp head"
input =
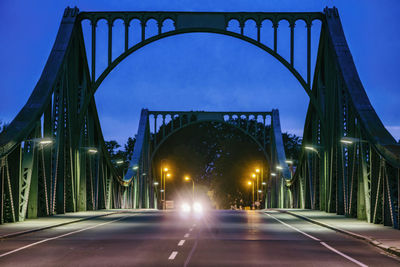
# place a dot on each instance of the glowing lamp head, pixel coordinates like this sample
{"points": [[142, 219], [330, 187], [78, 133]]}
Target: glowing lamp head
{"points": [[253, 175], [155, 183], [92, 150], [168, 175], [187, 178], [257, 170], [165, 169], [249, 182], [45, 141]]}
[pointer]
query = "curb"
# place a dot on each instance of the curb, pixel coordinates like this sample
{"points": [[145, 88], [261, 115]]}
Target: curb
{"points": [[53, 226], [391, 250]]}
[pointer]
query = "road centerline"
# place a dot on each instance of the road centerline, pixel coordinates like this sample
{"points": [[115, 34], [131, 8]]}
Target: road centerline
{"points": [[181, 242], [173, 255]]}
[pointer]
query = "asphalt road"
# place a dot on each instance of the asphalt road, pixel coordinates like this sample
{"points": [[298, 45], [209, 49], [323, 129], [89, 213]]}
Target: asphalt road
{"points": [[219, 238]]}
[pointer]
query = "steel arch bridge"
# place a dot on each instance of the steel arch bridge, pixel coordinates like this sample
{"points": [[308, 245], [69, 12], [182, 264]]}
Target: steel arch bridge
{"points": [[253, 124], [350, 164]]}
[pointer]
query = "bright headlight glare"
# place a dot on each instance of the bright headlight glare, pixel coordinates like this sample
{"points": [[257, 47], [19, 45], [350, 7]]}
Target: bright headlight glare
{"points": [[185, 207], [197, 207]]}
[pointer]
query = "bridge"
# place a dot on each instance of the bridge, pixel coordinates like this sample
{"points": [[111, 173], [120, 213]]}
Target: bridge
{"points": [[53, 158]]}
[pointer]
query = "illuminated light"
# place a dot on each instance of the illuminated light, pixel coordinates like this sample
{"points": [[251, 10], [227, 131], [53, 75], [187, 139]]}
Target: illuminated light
{"points": [[257, 170], [273, 174], [155, 183], [185, 207], [279, 167], [347, 141], [119, 161], [259, 191], [45, 141], [162, 190], [165, 169], [253, 175], [264, 183], [289, 161], [135, 167], [310, 148], [144, 174], [92, 150], [168, 175], [197, 207], [249, 182], [187, 178]]}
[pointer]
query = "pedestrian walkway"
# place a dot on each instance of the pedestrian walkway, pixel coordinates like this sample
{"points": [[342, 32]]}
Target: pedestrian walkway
{"points": [[384, 237], [8, 230]]}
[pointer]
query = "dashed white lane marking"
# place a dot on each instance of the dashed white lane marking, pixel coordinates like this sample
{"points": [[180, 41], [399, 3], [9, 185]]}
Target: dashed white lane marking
{"points": [[190, 229], [194, 225], [322, 243], [181, 242], [173, 255], [294, 228], [186, 235], [344, 255], [60, 236]]}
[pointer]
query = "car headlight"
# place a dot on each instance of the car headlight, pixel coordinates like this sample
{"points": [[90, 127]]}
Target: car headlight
{"points": [[197, 207], [186, 207]]}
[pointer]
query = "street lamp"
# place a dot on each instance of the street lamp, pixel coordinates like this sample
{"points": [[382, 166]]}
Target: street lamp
{"points": [[92, 150], [187, 179], [312, 149], [350, 140]]}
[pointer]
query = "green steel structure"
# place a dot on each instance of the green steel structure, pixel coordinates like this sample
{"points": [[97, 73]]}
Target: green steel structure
{"points": [[255, 125], [53, 158]]}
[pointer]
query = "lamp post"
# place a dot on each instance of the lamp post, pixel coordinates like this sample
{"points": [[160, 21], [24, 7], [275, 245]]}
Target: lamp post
{"points": [[257, 170], [166, 174], [187, 178], [252, 192]]}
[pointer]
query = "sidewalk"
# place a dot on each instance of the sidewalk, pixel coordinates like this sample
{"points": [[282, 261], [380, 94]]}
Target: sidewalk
{"points": [[384, 237], [8, 230]]}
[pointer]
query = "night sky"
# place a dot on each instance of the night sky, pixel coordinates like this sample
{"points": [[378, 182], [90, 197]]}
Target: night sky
{"points": [[202, 71]]}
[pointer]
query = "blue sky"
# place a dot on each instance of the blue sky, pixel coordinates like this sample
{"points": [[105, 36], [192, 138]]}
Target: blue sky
{"points": [[202, 71]]}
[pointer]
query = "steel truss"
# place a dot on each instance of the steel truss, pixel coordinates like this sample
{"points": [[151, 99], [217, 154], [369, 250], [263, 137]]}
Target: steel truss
{"points": [[358, 178], [253, 124]]}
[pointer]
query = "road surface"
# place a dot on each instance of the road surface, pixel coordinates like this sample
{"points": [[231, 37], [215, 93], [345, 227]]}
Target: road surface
{"points": [[219, 238]]}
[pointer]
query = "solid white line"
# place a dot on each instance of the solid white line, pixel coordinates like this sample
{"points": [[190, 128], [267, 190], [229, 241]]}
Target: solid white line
{"points": [[322, 243], [294, 228], [181, 242], [344, 255], [186, 235], [173, 255], [57, 237]]}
